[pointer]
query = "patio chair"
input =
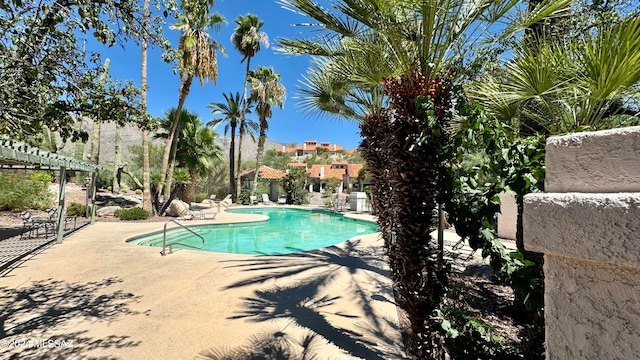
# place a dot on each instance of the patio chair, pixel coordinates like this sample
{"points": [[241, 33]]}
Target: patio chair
{"points": [[224, 202], [29, 225], [188, 213], [53, 218], [266, 200]]}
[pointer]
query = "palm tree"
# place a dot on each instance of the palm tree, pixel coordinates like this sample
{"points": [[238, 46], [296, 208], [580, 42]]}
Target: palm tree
{"points": [[246, 39], [197, 152], [556, 89], [266, 90], [231, 113], [418, 45], [198, 60], [146, 178]]}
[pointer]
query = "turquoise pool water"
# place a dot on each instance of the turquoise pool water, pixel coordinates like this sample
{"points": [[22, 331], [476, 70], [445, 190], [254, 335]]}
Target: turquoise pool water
{"points": [[287, 231]]}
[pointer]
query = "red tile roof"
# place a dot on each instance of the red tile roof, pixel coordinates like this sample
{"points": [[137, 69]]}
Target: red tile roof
{"points": [[265, 173]]}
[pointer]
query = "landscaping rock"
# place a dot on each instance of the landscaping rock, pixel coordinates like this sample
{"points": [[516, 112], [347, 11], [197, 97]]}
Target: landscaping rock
{"points": [[107, 210]]}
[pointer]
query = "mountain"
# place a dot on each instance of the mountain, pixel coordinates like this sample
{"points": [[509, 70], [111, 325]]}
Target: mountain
{"points": [[133, 136]]}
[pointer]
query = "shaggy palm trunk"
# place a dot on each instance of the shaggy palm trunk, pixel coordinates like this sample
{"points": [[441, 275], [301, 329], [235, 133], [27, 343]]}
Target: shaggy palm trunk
{"points": [[261, 139], [243, 114], [401, 150], [190, 188], [169, 149]]}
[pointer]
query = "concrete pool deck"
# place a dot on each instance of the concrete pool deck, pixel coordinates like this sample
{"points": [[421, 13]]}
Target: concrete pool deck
{"points": [[97, 297]]}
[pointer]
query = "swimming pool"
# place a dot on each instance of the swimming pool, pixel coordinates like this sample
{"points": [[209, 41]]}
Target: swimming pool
{"points": [[287, 231]]}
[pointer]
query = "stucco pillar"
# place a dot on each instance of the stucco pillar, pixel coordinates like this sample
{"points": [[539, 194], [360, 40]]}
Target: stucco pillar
{"points": [[587, 224]]}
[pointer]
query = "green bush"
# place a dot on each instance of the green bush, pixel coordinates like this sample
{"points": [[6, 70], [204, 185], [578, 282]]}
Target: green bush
{"points": [[105, 178], [42, 176], [245, 193], [131, 214], [138, 192], [201, 196], [22, 191], [76, 209]]}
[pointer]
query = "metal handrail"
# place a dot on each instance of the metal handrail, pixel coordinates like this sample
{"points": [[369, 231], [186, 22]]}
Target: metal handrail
{"points": [[170, 245]]}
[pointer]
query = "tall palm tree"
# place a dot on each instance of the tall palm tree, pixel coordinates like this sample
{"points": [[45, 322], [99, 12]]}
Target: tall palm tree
{"points": [[198, 59], [197, 152], [146, 178], [231, 113], [418, 44], [246, 38], [267, 91]]}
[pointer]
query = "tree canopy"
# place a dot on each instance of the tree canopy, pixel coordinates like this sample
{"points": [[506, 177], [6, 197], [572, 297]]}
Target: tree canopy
{"points": [[47, 76]]}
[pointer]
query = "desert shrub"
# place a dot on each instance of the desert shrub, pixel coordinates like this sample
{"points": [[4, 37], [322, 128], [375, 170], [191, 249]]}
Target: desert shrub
{"points": [[76, 209], [295, 185], [245, 193], [332, 185], [138, 192], [42, 176], [124, 190], [23, 191], [201, 196], [131, 214], [105, 178], [112, 203]]}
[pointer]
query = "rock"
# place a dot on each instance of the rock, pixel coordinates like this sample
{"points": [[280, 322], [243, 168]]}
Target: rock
{"points": [[107, 210], [177, 208]]}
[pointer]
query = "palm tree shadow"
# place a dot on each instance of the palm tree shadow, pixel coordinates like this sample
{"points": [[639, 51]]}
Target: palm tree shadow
{"points": [[45, 306], [304, 304], [272, 344]]}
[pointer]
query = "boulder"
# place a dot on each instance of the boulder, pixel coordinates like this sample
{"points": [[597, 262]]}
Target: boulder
{"points": [[107, 210]]}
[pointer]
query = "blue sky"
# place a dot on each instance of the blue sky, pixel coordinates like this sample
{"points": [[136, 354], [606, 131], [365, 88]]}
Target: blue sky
{"points": [[287, 125]]}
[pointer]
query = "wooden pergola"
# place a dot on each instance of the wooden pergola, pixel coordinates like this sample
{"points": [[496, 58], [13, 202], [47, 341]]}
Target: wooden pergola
{"points": [[19, 156]]}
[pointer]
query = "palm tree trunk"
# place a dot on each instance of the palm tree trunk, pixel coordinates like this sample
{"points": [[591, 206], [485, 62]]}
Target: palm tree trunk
{"points": [[261, 140], [242, 128], [172, 163], [232, 161], [190, 188], [165, 177], [117, 159], [146, 177]]}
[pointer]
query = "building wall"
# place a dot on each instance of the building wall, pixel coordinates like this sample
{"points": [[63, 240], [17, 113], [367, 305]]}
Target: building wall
{"points": [[508, 216], [587, 224]]}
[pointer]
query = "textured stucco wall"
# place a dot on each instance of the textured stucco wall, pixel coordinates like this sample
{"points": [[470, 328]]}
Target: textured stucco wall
{"points": [[508, 216], [591, 310], [600, 161], [597, 227], [587, 224]]}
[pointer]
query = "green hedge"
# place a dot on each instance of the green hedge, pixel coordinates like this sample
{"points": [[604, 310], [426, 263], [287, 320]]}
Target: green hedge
{"points": [[76, 209], [200, 197], [25, 191], [132, 214]]}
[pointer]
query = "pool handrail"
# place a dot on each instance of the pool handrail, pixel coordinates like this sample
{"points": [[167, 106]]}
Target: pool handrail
{"points": [[170, 245]]}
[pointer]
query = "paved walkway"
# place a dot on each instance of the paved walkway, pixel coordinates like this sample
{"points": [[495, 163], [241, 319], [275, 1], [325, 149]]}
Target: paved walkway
{"points": [[96, 296]]}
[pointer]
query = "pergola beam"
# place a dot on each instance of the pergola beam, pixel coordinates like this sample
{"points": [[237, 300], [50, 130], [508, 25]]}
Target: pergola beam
{"points": [[17, 155]]}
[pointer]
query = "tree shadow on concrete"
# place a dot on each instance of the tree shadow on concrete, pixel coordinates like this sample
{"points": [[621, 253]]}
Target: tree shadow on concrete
{"points": [[33, 318], [272, 344], [305, 306]]}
